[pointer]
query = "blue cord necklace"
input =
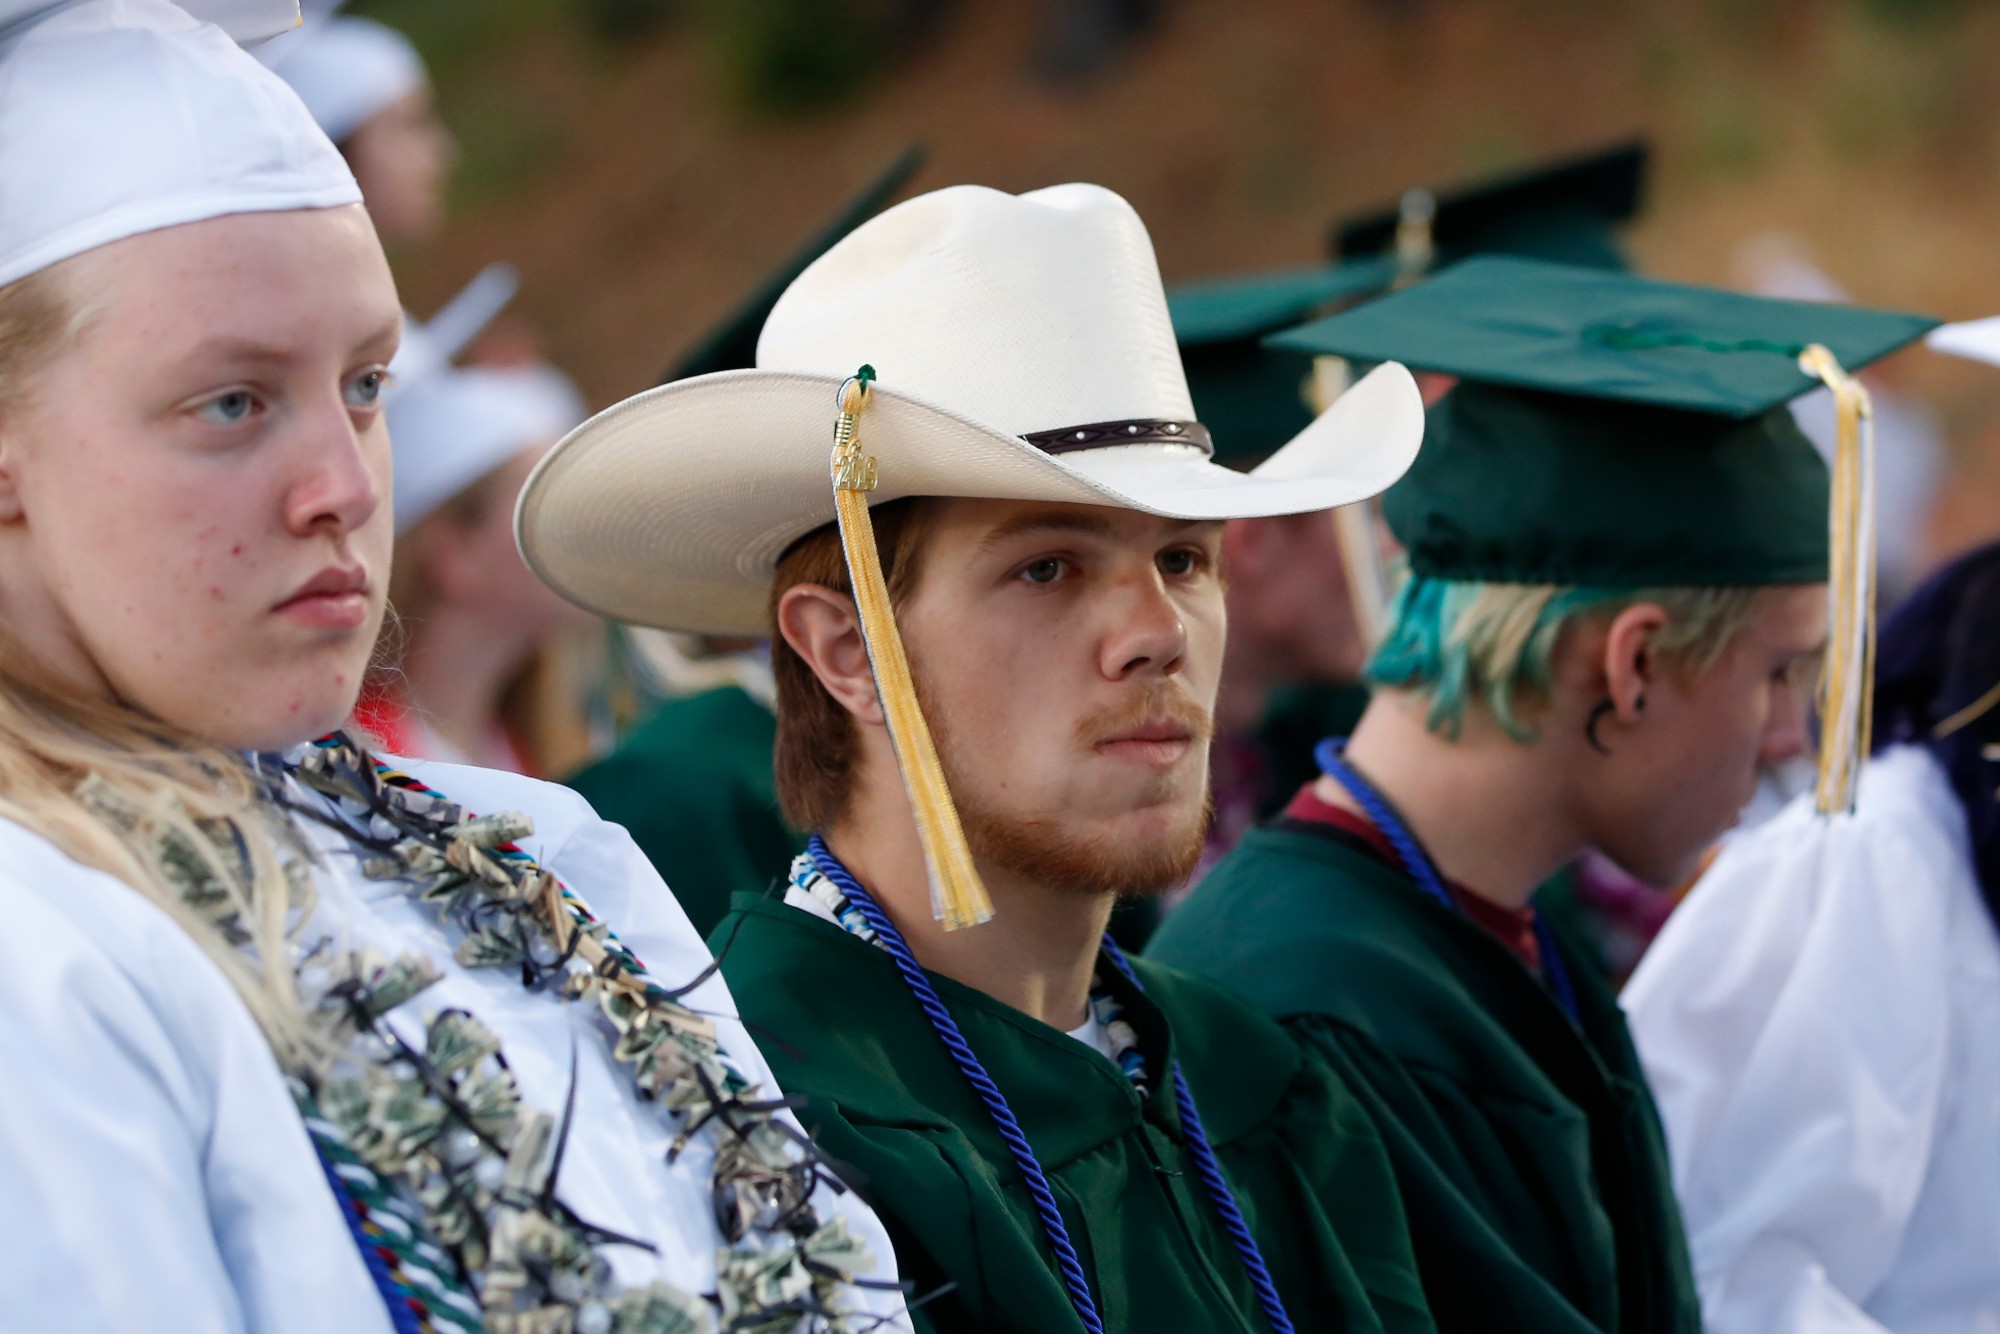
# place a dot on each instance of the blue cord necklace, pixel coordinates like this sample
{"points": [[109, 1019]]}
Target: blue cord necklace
{"points": [[1053, 1228], [1418, 866]]}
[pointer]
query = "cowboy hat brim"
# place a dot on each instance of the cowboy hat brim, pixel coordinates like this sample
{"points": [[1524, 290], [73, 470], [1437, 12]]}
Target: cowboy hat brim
{"points": [[672, 508]]}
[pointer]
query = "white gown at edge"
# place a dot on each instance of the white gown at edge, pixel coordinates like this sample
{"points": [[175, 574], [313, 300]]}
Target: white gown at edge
{"points": [[1821, 1025], [153, 1172]]}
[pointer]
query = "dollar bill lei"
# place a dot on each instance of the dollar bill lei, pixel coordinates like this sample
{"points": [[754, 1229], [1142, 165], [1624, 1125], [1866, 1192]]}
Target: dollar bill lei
{"points": [[450, 1179]]}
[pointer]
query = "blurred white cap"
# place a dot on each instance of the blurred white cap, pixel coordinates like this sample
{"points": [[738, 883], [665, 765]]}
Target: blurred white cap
{"points": [[452, 429], [246, 21], [1975, 340], [125, 116], [346, 70]]}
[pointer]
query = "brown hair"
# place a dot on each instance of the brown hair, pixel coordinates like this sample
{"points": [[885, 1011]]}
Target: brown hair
{"points": [[815, 754]]}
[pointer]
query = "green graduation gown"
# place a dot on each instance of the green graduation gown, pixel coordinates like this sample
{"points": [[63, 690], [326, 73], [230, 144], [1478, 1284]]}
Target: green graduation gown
{"points": [[693, 784], [881, 1095], [1530, 1155]]}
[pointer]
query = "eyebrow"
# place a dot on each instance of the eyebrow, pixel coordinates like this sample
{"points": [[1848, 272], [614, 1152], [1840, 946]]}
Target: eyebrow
{"points": [[1052, 521], [231, 347], [1082, 522]]}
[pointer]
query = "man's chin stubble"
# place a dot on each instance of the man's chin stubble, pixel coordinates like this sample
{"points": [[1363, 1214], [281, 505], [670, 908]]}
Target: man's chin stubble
{"points": [[1041, 850]]}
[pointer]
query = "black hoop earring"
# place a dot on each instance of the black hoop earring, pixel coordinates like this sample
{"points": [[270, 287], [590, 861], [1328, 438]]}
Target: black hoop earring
{"points": [[1597, 715]]}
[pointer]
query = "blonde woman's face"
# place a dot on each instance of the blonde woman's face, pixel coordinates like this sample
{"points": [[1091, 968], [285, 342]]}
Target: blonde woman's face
{"points": [[194, 494]]}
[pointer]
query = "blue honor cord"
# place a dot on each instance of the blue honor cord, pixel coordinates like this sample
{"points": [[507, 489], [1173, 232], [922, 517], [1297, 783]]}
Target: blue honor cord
{"points": [[1418, 866], [1068, 1264]]}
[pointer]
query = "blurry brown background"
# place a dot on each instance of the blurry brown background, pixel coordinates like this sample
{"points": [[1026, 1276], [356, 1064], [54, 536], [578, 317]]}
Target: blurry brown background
{"points": [[645, 163]]}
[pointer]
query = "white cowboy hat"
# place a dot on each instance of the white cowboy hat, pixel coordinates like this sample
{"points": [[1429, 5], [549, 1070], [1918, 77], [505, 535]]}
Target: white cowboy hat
{"points": [[1022, 350]]}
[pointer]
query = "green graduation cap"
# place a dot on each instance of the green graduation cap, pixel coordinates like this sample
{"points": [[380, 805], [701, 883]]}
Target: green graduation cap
{"points": [[732, 344], [1252, 398], [1614, 432], [1567, 212]]}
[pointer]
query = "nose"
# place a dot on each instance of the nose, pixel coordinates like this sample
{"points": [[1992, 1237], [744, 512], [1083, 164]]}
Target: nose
{"points": [[1147, 635], [344, 474], [1785, 733]]}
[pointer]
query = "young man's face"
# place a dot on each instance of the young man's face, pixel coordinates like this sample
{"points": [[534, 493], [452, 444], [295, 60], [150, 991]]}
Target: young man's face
{"points": [[1679, 783], [1067, 658]]}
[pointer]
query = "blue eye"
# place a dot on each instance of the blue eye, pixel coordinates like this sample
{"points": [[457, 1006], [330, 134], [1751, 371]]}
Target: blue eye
{"points": [[230, 409], [365, 391], [1044, 571]]}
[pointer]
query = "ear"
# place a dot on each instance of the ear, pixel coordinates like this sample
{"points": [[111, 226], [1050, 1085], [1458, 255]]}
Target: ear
{"points": [[824, 629], [1631, 666]]}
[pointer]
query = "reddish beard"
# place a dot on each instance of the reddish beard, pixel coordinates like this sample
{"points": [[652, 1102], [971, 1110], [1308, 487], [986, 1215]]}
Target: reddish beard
{"points": [[1043, 850]]}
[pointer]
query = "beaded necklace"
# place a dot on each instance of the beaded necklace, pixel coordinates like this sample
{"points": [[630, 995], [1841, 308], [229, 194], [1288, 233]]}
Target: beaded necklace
{"points": [[1069, 1265]]}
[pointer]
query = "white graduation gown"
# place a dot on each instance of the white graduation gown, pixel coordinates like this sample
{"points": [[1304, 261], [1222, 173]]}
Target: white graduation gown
{"points": [[1821, 1025], [153, 1171]]}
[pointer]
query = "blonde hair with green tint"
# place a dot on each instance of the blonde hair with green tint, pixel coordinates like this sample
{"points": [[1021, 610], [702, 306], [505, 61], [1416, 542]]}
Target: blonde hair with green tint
{"points": [[1459, 641]]}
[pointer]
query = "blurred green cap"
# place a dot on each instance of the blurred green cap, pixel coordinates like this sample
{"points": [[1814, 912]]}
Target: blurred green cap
{"points": [[1567, 212], [1608, 430], [1254, 399], [732, 344]]}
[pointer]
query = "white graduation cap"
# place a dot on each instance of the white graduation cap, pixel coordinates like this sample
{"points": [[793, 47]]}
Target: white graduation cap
{"points": [[245, 21], [453, 428], [1975, 340], [125, 116], [346, 69]]}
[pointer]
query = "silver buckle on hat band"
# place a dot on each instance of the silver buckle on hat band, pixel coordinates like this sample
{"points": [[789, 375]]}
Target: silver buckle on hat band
{"points": [[1137, 431]]}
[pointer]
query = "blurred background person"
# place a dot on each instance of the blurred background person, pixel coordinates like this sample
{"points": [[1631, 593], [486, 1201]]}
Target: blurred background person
{"points": [[366, 86], [473, 668]]}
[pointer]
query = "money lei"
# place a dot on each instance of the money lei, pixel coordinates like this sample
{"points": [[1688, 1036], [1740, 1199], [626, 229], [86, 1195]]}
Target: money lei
{"points": [[445, 1122]]}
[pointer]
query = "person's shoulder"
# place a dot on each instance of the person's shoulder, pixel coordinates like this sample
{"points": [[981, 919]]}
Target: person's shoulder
{"points": [[94, 973], [77, 910], [727, 712], [1904, 795], [1906, 817], [1885, 888], [556, 811], [1290, 918], [1241, 1063]]}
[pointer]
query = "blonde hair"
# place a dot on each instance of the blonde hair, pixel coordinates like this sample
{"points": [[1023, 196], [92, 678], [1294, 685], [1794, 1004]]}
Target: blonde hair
{"points": [[137, 799], [1457, 641]]}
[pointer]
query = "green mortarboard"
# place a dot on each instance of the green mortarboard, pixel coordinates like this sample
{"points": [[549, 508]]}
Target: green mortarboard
{"points": [[1252, 398], [1607, 336], [1614, 432], [732, 344], [1567, 213]]}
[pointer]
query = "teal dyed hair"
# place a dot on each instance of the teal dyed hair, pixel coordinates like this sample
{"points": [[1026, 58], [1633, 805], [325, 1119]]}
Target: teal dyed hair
{"points": [[1457, 641]]}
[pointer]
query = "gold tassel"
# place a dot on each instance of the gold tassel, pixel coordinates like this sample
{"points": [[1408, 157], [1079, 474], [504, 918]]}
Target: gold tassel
{"points": [[1416, 250], [958, 898], [1847, 686]]}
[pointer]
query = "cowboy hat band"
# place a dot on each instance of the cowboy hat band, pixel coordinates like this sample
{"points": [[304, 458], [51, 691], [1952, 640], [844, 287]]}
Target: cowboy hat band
{"points": [[1000, 326]]}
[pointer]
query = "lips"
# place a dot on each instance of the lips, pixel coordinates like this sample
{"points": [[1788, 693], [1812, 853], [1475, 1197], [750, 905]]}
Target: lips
{"points": [[335, 598], [1159, 742]]}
